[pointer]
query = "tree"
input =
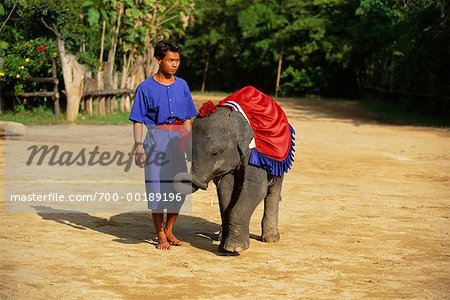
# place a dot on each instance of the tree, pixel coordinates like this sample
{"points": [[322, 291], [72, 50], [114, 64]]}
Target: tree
{"points": [[260, 24], [204, 39], [135, 26], [262, 42], [403, 50], [58, 17], [127, 30]]}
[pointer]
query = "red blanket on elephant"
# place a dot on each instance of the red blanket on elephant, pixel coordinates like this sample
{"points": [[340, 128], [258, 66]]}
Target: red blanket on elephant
{"points": [[273, 135]]}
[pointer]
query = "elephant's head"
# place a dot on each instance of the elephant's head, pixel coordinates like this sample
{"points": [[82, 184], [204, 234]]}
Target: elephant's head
{"points": [[219, 143]]}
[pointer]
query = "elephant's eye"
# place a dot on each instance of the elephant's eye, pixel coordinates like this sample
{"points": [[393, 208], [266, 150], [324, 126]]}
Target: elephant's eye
{"points": [[214, 154]]}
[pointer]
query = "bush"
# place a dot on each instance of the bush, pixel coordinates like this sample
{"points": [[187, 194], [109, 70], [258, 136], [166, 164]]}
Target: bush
{"points": [[25, 59]]}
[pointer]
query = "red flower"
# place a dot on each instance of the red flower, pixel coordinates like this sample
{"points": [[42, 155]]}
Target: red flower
{"points": [[41, 48], [206, 109]]}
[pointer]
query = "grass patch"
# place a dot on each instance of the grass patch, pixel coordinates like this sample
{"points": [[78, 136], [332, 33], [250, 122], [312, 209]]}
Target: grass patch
{"points": [[117, 118], [376, 110], [35, 116], [45, 116], [210, 93]]}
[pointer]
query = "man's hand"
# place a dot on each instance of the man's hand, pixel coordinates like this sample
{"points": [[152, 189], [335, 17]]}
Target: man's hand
{"points": [[139, 159], [139, 156]]}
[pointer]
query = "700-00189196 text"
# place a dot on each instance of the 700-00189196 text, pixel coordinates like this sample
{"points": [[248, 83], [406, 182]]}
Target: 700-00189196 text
{"points": [[97, 196]]}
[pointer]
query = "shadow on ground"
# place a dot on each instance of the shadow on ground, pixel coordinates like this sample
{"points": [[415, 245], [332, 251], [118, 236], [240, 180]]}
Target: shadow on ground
{"points": [[137, 227], [359, 112]]}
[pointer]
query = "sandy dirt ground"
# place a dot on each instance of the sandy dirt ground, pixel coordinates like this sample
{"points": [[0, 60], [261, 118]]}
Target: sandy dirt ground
{"points": [[365, 213]]}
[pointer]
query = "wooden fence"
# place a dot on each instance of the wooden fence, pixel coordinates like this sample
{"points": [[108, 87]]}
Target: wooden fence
{"points": [[103, 102], [53, 93], [100, 102]]}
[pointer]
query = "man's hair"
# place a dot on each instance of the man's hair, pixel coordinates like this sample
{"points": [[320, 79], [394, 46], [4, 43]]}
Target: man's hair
{"points": [[163, 46]]}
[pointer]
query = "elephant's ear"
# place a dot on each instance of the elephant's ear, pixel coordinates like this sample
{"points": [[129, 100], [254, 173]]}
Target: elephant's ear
{"points": [[244, 132]]}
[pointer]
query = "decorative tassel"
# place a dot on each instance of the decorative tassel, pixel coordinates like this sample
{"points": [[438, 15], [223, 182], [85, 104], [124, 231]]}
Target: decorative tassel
{"points": [[274, 167]]}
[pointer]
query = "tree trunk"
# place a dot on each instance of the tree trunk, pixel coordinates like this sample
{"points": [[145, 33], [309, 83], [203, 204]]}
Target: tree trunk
{"points": [[102, 106], [56, 105], [138, 71], [99, 106], [125, 81], [89, 106], [137, 74], [109, 66], [205, 72], [150, 64], [73, 74], [113, 98], [108, 104], [280, 62]]}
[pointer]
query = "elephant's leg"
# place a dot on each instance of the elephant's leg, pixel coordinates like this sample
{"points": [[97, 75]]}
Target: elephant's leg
{"points": [[224, 186], [270, 233], [254, 189]]}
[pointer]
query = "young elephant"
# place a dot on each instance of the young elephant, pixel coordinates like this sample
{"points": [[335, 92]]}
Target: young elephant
{"points": [[221, 152]]}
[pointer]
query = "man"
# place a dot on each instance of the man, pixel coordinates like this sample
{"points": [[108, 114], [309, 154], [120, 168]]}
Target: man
{"points": [[163, 103]]}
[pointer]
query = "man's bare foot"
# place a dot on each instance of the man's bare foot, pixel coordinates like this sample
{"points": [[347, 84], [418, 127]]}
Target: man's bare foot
{"points": [[173, 240], [163, 244]]}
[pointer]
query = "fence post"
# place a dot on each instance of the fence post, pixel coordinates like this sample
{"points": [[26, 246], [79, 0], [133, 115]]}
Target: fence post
{"points": [[55, 97]]}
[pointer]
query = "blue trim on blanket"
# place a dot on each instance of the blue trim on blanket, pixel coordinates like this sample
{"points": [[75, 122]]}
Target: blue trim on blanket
{"points": [[274, 167]]}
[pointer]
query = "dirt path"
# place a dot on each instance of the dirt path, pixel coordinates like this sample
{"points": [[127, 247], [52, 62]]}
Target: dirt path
{"points": [[365, 213]]}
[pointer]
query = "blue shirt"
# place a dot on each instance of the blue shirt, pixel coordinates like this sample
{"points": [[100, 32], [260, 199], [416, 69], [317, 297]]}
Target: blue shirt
{"points": [[156, 103]]}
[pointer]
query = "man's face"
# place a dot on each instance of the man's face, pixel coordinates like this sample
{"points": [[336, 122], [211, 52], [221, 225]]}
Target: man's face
{"points": [[170, 63]]}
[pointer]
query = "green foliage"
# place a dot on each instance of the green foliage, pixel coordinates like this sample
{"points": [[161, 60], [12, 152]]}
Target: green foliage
{"points": [[305, 81], [79, 25], [24, 59], [332, 47], [34, 116], [143, 23], [117, 118], [259, 25], [406, 48], [93, 16], [245, 46], [328, 47]]}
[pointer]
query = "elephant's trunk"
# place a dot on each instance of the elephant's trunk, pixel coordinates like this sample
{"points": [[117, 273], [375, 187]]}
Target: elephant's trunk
{"points": [[197, 183], [186, 183]]}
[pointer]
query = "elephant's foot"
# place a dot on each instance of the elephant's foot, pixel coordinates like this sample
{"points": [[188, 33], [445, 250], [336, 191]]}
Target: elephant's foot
{"points": [[235, 245], [270, 237]]}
